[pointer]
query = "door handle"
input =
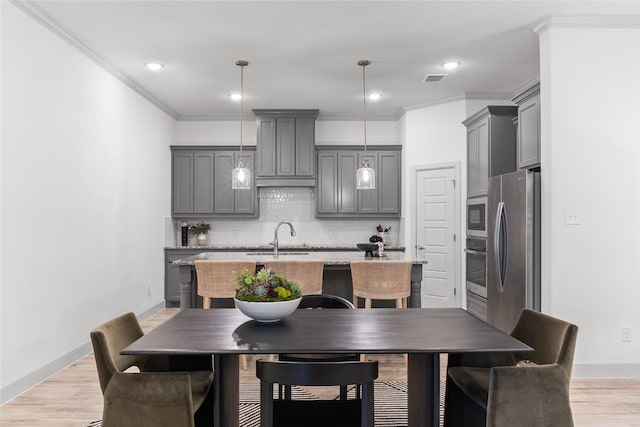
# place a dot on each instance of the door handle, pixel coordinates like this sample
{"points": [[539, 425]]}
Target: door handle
{"points": [[420, 247], [474, 252], [497, 231]]}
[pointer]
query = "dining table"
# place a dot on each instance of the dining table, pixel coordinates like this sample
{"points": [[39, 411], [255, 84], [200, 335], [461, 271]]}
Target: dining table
{"points": [[422, 333]]}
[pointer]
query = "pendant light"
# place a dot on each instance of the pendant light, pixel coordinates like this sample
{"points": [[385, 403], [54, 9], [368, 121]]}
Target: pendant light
{"points": [[241, 176], [365, 175]]}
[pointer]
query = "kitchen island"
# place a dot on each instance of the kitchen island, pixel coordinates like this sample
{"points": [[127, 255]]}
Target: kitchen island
{"points": [[337, 271]]}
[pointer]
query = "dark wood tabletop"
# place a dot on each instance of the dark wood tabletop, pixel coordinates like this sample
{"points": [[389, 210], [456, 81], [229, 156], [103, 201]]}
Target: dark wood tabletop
{"points": [[422, 333]]}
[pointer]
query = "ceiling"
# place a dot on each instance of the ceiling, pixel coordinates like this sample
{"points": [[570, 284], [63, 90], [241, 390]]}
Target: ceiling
{"points": [[304, 54]]}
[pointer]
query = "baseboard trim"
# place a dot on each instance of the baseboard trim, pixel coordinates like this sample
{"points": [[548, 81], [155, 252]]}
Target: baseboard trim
{"points": [[606, 370], [31, 380]]}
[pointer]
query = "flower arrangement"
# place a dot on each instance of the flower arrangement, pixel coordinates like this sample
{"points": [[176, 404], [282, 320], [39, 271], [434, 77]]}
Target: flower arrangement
{"points": [[265, 286]]}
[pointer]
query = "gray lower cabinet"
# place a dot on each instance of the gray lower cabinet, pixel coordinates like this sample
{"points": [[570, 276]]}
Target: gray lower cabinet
{"points": [[172, 274], [337, 195], [491, 146], [201, 183], [528, 149], [285, 147]]}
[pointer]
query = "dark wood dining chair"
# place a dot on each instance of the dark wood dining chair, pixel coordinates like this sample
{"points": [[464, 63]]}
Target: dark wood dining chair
{"points": [[152, 397], [311, 413], [321, 301], [524, 390]]}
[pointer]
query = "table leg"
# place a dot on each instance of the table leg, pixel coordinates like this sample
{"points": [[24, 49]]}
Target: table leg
{"points": [[423, 377], [226, 412]]}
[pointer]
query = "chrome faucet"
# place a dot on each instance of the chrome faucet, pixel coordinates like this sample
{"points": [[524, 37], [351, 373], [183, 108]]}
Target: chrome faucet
{"points": [[275, 235]]}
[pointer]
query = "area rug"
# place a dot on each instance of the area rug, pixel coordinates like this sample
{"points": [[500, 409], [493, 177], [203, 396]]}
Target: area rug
{"points": [[390, 403]]}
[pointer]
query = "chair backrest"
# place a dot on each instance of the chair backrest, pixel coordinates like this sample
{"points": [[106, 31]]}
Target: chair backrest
{"points": [[216, 278], [324, 301], [387, 279], [317, 373], [553, 340], [308, 273], [108, 340]]}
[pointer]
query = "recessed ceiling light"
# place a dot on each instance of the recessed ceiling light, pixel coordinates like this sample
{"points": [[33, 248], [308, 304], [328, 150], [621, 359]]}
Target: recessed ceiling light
{"points": [[154, 66], [374, 96], [235, 96], [451, 65]]}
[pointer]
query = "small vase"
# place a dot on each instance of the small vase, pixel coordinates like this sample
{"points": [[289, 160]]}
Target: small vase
{"points": [[202, 239]]}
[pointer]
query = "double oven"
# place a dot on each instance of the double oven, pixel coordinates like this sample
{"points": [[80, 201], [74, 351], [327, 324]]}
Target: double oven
{"points": [[476, 257]]}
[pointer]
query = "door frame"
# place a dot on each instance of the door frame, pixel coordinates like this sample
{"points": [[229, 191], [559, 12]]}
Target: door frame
{"points": [[458, 246]]}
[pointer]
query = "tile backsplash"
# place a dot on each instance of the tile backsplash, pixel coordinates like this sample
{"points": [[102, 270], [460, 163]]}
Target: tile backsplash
{"points": [[296, 205]]}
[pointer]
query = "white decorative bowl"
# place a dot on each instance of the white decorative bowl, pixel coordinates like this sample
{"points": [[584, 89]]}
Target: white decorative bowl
{"points": [[267, 312]]}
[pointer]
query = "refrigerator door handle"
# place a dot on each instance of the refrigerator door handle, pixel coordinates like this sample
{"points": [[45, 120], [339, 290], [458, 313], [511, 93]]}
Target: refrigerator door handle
{"points": [[497, 231], [504, 235]]}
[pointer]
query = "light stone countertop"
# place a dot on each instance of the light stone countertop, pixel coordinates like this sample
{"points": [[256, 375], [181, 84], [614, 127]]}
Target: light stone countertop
{"points": [[267, 248], [329, 257]]}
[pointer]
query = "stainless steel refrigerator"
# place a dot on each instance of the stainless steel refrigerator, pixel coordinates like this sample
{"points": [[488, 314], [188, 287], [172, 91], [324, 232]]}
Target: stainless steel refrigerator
{"points": [[513, 247]]}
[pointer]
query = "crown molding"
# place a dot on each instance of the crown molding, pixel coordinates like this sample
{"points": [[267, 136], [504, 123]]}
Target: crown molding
{"points": [[469, 96], [586, 21], [31, 10]]}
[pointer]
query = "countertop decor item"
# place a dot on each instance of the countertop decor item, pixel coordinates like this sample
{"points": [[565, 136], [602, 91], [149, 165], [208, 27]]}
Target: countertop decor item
{"points": [[266, 296], [368, 248], [200, 230]]}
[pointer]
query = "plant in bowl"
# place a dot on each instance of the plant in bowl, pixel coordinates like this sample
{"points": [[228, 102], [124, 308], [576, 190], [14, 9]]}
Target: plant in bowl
{"points": [[266, 296], [200, 230]]}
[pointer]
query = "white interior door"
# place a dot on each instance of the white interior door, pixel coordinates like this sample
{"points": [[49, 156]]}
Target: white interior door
{"points": [[435, 236]]}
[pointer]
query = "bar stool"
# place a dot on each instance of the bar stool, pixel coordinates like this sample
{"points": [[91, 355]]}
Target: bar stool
{"points": [[381, 280], [216, 280], [307, 273]]}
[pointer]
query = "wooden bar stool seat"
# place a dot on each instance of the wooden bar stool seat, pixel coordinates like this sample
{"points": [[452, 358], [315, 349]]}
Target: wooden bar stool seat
{"points": [[308, 273], [216, 279]]}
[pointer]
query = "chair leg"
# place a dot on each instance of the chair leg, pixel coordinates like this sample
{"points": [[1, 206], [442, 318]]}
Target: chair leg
{"points": [[245, 364], [367, 303], [206, 302]]}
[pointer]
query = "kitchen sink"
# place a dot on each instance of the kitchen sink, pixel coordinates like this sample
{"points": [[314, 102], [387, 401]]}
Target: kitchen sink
{"points": [[280, 253]]}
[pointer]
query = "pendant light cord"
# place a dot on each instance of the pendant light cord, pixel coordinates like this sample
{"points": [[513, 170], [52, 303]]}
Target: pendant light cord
{"points": [[241, 105], [364, 106]]}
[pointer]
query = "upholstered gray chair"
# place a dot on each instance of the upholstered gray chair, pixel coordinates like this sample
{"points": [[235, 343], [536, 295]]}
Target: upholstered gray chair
{"points": [[524, 390], [152, 397], [294, 413]]}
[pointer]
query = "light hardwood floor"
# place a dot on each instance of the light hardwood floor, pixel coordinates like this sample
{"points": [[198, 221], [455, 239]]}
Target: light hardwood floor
{"points": [[72, 397]]}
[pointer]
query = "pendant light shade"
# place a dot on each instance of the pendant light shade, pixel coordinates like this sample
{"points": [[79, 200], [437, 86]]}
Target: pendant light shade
{"points": [[241, 176], [365, 175]]}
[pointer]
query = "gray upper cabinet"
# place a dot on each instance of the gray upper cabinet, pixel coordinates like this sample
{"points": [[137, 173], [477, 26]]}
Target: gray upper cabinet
{"points": [[528, 150], [337, 195], [201, 183], [491, 146], [285, 153], [181, 183]]}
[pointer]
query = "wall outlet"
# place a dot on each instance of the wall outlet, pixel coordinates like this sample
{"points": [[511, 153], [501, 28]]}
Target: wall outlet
{"points": [[625, 336], [148, 290], [571, 218]]}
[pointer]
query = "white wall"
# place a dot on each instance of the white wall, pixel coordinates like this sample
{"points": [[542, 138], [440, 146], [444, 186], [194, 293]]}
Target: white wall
{"points": [[85, 174], [328, 132], [590, 89], [433, 135]]}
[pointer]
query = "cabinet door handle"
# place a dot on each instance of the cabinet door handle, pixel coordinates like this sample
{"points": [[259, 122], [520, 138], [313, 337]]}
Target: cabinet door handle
{"points": [[421, 247]]}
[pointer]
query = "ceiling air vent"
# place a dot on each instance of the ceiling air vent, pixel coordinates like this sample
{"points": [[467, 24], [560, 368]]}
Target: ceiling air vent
{"points": [[434, 78]]}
